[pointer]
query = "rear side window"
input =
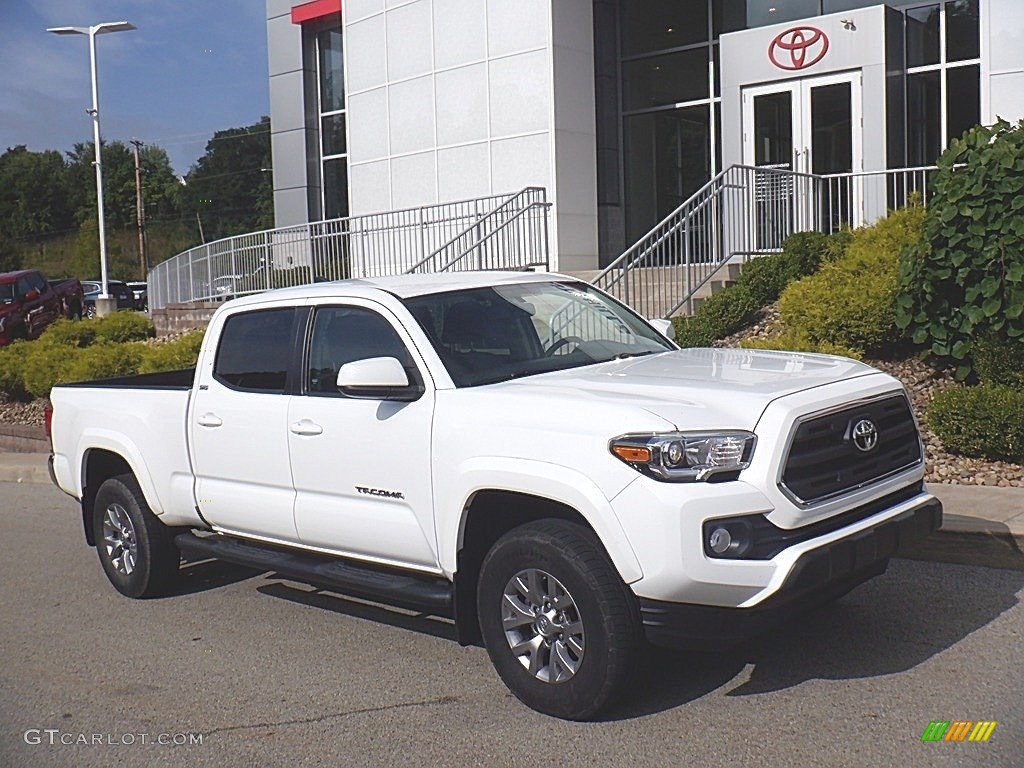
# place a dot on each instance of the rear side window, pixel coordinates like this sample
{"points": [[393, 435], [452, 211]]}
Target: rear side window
{"points": [[255, 350]]}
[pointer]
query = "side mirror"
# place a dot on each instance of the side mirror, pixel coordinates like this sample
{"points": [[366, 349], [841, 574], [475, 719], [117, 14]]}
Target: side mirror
{"points": [[665, 327], [31, 294], [377, 378]]}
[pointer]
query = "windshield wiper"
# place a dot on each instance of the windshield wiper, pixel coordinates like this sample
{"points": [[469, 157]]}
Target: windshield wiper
{"points": [[625, 355]]}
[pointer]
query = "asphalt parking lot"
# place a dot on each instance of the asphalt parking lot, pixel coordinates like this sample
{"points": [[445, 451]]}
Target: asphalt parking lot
{"points": [[265, 672]]}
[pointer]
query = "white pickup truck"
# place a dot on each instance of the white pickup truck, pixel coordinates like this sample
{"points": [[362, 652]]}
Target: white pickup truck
{"points": [[517, 451]]}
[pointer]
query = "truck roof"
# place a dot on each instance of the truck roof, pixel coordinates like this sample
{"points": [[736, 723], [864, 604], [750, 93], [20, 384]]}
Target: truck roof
{"points": [[404, 286], [10, 277]]}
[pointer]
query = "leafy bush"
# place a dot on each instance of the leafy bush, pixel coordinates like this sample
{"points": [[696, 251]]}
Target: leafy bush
{"points": [[12, 380], [123, 326], [175, 355], [850, 303], [71, 333], [966, 276], [793, 341], [45, 363], [760, 284], [998, 360], [104, 360], [985, 421]]}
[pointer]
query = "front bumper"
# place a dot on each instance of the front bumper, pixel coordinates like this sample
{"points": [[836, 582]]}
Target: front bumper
{"points": [[819, 574]]}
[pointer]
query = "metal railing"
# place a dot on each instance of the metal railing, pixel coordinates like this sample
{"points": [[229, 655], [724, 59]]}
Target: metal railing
{"points": [[743, 212], [512, 236], [512, 230]]}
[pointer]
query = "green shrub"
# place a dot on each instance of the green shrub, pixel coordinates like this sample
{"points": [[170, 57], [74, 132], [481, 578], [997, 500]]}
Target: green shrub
{"points": [[985, 421], [175, 355], [793, 341], [759, 284], [70, 333], [12, 364], [966, 275], [999, 360], [850, 303], [104, 360], [123, 326], [44, 364]]}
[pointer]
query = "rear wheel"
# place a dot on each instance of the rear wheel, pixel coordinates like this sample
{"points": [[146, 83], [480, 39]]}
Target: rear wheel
{"points": [[560, 626], [136, 550]]}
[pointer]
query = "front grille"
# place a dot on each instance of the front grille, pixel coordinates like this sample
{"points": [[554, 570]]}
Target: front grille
{"points": [[824, 462]]}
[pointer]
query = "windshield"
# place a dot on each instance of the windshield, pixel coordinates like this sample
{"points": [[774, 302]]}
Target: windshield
{"points": [[6, 293], [487, 335]]}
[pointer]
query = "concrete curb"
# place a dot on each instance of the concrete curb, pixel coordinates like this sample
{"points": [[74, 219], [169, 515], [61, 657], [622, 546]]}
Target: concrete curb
{"points": [[982, 525]]}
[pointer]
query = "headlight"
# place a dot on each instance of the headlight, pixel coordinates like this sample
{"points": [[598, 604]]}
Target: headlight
{"points": [[685, 456]]}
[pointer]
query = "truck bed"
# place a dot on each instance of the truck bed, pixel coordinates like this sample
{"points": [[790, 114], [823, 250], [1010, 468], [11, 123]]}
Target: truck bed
{"points": [[180, 380]]}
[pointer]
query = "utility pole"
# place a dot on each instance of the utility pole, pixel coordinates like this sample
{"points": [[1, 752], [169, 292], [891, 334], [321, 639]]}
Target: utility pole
{"points": [[140, 210]]}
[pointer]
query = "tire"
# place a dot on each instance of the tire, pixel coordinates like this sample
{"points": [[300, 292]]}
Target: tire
{"points": [[136, 550], [577, 655], [90, 311]]}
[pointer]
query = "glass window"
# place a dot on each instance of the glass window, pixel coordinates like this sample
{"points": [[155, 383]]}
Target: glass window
{"points": [[665, 80], [652, 25], [255, 350], [924, 132], [963, 100], [773, 130], [962, 36], [332, 80], [332, 133], [760, 14], [486, 335], [343, 335], [335, 189], [667, 159], [923, 36], [728, 16]]}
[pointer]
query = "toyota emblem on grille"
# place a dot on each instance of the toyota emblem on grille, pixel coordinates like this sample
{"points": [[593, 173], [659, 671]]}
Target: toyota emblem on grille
{"points": [[865, 435]]}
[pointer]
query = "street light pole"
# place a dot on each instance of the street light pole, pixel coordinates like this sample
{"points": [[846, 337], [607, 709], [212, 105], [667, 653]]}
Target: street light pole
{"points": [[103, 303]]}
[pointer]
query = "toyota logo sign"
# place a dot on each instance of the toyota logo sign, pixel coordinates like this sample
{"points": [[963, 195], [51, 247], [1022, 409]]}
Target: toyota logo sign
{"points": [[798, 48]]}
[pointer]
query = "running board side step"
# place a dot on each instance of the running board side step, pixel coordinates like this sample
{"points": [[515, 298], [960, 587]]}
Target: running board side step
{"points": [[426, 594]]}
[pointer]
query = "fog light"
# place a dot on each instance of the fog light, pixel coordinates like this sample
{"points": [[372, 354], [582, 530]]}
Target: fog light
{"points": [[720, 541]]}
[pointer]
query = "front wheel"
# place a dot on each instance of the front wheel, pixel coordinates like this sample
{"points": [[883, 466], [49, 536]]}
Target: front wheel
{"points": [[136, 550], [560, 626]]}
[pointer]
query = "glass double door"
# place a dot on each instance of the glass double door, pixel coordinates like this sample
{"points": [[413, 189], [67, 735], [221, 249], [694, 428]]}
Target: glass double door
{"points": [[803, 133]]}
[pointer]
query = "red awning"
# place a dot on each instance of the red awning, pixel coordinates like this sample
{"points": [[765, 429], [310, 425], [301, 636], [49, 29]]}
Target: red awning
{"points": [[317, 9]]}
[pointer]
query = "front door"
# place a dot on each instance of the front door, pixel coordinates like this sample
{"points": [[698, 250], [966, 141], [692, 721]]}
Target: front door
{"points": [[806, 130], [361, 466]]}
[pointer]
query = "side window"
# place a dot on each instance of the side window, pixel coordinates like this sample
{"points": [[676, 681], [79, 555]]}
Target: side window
{"points": [[255, 350], [346, 334], [23, 286], [36, 281]]}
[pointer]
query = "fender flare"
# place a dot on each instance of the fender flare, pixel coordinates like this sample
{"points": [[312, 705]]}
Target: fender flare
{"points": [[544, 480], [114, 442]]}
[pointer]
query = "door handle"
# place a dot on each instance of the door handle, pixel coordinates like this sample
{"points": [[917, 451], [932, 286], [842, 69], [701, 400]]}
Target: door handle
{"points": [[209, 420], [306, 427]]}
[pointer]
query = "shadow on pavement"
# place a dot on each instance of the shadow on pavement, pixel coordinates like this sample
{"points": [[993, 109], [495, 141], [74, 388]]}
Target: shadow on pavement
{"points": [[889, 625], [423, 623], [206, 574]]}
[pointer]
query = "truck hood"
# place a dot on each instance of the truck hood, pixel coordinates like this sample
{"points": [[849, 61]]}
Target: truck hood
{"points": [[698, 388]]}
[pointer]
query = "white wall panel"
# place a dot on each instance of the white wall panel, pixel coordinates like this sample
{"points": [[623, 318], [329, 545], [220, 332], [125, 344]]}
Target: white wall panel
{"points": [[520, 93], [461, 98], [411, 115], [368, 125], [414, 180], [1008, 96], [460, 32], [463, 172], [365, 54], [370, 187], [517, 25], [357, 9], [409, 41], [520, 162]]}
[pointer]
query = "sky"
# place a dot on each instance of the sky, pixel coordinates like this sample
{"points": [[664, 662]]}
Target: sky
{"points": [[191, 68]]}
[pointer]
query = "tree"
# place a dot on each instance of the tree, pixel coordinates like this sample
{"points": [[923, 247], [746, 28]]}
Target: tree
{"points": [[33, 193], [230, 187], [118, 184]]}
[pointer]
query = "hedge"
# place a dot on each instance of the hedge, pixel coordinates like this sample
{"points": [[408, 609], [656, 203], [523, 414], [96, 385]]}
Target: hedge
{"points": [[985, 421]]}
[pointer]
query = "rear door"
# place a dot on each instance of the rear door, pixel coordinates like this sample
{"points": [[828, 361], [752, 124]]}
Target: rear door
{"points": [[361, 467], [238, 425]]}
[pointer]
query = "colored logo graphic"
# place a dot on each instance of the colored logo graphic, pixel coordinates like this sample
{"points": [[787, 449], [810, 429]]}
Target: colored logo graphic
{"points": [[798, 48], [958, 730]]}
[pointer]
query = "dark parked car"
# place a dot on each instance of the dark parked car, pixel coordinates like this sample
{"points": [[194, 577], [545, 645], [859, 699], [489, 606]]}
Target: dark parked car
{"points": [[116, 288], [140, 295]]}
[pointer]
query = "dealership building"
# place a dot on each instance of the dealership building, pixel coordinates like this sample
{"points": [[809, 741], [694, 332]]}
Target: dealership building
{"points": [[620, 109]]}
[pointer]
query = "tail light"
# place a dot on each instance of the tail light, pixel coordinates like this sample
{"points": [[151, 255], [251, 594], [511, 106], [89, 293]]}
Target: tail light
{"points": [[48, 419]]}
